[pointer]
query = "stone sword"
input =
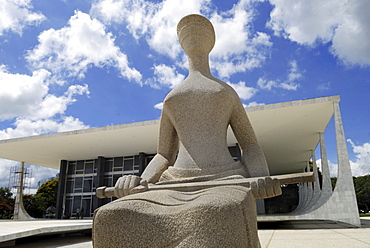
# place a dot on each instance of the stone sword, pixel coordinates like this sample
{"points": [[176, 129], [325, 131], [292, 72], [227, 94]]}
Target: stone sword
{"points": [[305, 177]]}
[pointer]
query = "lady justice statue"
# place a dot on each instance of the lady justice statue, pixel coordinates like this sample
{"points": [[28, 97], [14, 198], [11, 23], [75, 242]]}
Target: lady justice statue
{"points": [[192, 148]]}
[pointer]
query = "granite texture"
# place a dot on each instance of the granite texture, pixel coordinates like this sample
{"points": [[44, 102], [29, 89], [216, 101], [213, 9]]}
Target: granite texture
{"points": [[215, 217], [192, 147]]}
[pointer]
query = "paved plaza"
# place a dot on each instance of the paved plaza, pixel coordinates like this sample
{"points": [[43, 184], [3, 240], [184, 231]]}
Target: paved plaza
{"points": [[313, 234], [302, 234]]}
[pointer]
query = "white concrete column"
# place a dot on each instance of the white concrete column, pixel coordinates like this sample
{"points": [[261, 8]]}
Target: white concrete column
{"points": [[260, 204], [344, 186], [300, 199], [326, 189], [344, 168], [309, 190], [326, 182], [342, 204], [19, 212], [316, 185]]}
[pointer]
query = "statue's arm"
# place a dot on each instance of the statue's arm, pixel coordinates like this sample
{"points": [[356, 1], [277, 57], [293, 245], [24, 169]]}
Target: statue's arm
{"points": [[166, 155], [252, 154], [166, 151]]}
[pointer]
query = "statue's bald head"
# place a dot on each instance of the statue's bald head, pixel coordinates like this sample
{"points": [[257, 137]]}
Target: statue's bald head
{"points": [[196, 34]]}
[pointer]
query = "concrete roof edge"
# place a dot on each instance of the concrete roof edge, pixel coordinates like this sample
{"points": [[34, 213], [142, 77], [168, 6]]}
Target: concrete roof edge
{"points": [[82, 131], [335, 98]]}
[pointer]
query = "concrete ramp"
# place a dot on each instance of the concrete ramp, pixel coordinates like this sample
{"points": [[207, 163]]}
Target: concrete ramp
{"points": [[11, 230]]}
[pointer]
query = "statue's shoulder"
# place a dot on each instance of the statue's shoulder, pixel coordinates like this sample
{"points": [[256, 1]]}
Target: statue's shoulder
{"points": [[231, 91], [202, 86]]}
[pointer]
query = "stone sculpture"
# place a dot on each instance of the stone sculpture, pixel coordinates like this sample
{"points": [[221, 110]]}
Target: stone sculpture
{"points": [[192, 148]]}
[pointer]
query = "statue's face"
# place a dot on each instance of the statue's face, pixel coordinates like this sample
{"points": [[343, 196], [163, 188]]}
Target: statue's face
{"points": [[197, 36]]}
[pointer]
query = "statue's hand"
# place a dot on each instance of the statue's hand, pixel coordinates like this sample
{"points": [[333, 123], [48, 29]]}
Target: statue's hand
{"points": [[265, 188], [125, 184]]}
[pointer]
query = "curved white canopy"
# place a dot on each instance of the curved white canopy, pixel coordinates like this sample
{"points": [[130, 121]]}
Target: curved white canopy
{"points": [[286, 131]]}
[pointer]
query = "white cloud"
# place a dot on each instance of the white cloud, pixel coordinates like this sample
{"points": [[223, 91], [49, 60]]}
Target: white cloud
{"points": [[70, 51], [294, 72], [289, 86], [237, 48], [156, 22], [253, 104], [36, 174], [344, 23], [5, 166], [20, 94], [266, 84], [361, 166], [244, 91], [28, 97], [293, 75], [159, 106], [16, 14], [333, 168], [165, 76], [26, 127], [324, 86], [53, 105]]}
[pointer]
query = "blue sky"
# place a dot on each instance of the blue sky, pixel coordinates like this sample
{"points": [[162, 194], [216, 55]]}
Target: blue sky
{"points": [[67, 65]]}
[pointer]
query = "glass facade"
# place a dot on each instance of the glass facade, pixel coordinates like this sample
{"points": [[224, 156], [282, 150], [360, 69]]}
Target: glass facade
{"points": [[80, 187], [82, 181]]}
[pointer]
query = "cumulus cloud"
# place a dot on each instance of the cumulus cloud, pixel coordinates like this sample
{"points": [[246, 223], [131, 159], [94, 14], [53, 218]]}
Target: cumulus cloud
{"points": [[159, 106], [165, 75], [252, 104], [237, 48], [25, 127], [361, 165], [343, 23], [16, 15], [262, 83], [70, 51], [324, 86], [293, 76], [156, 23], [24, 96], [21, 93], [5, 166], [290, 83], [333, 168], [36, 174], [244, 91]]}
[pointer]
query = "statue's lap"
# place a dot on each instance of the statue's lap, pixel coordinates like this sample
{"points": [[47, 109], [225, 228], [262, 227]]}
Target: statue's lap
{"points": [[213, 217]]}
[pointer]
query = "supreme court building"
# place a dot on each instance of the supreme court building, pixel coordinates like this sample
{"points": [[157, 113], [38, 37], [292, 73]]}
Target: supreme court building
{"points": [[288, 133]]}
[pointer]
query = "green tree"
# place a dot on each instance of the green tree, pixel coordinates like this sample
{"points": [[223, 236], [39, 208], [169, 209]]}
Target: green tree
{"points": [[43, 203], [35, 205], [49, 191], [333, 182], [362, 188], [6, 203]]}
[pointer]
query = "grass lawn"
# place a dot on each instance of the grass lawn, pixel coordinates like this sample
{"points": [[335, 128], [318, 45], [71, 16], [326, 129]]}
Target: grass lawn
{"points": [[365, 215]]}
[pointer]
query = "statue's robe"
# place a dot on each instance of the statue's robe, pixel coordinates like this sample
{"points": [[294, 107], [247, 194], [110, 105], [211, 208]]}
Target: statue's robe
{"points": [[223, 216]]}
